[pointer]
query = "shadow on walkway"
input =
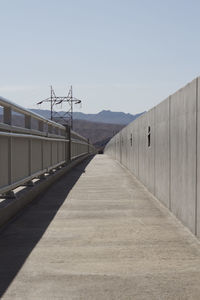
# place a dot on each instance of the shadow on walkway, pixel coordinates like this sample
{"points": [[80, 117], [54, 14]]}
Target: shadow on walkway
{"points": [[21, 235]]}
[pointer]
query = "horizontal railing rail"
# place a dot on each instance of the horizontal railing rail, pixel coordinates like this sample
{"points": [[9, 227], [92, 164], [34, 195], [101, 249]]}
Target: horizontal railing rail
{"points": [[9, 105], [26, 152]]}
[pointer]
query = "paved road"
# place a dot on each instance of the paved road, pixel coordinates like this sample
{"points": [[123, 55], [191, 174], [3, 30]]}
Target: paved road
{"points": [[98, 234]]}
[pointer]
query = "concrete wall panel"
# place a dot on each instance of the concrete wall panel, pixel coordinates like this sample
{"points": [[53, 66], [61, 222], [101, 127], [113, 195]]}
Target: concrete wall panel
{"points": [[198, 160], [135, 151], [150, 151], [142, 174], [133, 132], [183, 154], [162, 152], [170, 166]]}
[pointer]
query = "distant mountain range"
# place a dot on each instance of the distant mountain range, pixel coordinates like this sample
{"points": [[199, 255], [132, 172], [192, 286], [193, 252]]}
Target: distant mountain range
{"points": [[105, 116], [99, 128]]}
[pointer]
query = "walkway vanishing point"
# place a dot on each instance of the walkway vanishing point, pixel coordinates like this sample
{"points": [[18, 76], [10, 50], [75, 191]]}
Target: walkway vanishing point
{"points": [[98, 234]]}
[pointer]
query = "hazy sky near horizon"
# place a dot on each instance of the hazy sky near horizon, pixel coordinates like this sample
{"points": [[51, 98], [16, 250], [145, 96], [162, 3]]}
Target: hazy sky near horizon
{"points": [[120, 55]]}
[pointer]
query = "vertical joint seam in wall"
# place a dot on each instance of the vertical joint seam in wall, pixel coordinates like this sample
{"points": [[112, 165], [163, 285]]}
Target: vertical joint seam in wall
{"points": [[170, 175], [138, 157], [154, 158], [196, 183], [10, 160]]}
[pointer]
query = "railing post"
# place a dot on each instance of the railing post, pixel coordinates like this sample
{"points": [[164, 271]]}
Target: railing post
{"points": [[7, 115], [30, 156], [70, 143], [49, 128], [68, 146], [27, 122], [41, 126], [28, 126], [88, 146], [56, 130], [10, 160]]}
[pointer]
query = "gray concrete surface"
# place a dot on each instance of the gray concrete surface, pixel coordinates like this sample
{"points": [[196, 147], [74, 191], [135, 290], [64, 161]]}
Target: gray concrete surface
{"points": [[98, 234], [183, 154], [10, 207], [162, 150], [170, 167]]}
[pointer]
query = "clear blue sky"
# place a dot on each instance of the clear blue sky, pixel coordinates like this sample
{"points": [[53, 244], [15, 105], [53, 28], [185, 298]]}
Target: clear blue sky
{"points": [[120, 55]]}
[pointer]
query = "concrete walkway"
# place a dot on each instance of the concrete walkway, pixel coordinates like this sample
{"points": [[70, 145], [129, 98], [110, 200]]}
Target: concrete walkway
{"points": [[98, 234]]}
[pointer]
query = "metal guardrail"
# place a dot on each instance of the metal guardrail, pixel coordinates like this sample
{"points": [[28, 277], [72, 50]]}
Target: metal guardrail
{"points": [[27, 153]]}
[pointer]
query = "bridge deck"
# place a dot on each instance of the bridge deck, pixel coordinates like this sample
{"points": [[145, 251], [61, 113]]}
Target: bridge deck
{"points": [[98, 234]]}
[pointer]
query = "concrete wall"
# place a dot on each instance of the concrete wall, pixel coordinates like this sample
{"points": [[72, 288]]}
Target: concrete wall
{"points": [[170, 166]]}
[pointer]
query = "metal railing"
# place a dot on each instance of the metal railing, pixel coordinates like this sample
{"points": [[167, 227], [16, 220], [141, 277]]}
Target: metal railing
{"points": [[27, 152]]}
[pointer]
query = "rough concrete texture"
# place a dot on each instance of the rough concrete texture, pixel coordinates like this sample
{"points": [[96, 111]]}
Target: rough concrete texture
{"points": [[10, 207], [170, 166], [198, 158], [162, 151], [98, 234], [183, 154]]}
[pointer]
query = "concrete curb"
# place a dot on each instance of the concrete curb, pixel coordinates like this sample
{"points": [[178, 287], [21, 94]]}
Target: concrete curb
{"points": [[23, 198]]}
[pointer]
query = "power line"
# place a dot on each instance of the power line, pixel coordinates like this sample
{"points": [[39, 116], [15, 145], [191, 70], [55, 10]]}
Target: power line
{"points": [[66, 117]]}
